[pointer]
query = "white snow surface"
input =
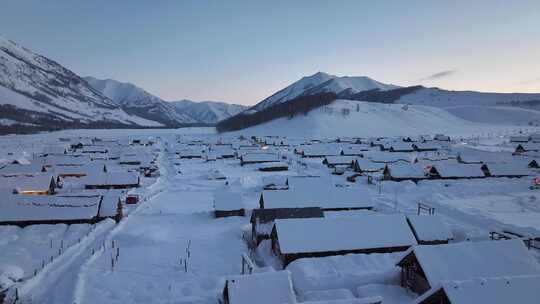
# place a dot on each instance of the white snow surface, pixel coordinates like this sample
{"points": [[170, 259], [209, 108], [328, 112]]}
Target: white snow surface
{"points": [[371, 118]]}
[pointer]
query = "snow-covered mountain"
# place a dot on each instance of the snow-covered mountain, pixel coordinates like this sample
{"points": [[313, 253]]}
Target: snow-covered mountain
{"points": [[208, 111], [136, 100], [322, 82], [38, 91]]}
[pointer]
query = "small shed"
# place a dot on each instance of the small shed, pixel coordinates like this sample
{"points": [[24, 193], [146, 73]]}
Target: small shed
{"points": [[228, 203], [498, 290], [319, 237], [261, 288], [425, 266], [429, 229]]}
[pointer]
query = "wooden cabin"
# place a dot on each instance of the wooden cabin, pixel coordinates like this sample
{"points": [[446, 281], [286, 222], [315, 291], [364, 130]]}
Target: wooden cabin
{"points": [[24, 210], [262, 220], [426, 266], [319, 237]]}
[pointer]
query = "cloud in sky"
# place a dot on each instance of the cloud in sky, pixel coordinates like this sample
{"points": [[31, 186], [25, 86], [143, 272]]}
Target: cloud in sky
{"points": [[438, 75]]}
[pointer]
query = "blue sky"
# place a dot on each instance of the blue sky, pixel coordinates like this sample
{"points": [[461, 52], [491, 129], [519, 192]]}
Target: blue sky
{"points": [[243, 51]]}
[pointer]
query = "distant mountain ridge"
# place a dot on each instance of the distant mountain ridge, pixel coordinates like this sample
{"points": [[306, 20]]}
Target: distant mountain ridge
{"points": [[137, 101]]}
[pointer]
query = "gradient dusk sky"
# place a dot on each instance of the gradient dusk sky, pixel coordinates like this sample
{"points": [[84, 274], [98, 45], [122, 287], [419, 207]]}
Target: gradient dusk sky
{"points": [[243, 51]]}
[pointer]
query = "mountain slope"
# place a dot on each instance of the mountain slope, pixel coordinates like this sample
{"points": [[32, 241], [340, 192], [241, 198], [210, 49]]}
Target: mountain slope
{"points": [[35, 88], [208, 111], [137, 101], [322, 83], [366, 119]]}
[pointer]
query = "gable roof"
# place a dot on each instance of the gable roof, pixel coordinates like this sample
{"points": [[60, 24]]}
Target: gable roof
{"points": [[467, 260], [349, 233]]}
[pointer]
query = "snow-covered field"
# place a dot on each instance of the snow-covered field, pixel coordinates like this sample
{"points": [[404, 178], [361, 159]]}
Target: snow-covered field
{"points": [[171, 249]]}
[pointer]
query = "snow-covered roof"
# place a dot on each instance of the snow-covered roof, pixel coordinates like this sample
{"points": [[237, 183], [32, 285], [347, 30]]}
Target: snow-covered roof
{"points": [[467, 260], [259, 157], [66, 160], [15, 207], [90, 168], [110, 178], [367, 165], [350, 233], [501, 290], [18, 169], [320, 150], [262, 288], [109, 203], [227, 200], [508, 169], [406, 170], [41, 182], [339, 160], [401, 146], [429, 228], [325, 198], [388, 157], [355, 149], [453, 170]]}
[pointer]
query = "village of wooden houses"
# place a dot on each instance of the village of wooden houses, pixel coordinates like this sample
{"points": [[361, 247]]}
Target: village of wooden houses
{"points": [[177, 217]]}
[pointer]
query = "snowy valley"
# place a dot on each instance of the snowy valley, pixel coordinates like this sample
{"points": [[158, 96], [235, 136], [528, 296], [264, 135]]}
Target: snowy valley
{"points": [[191, 216]]}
